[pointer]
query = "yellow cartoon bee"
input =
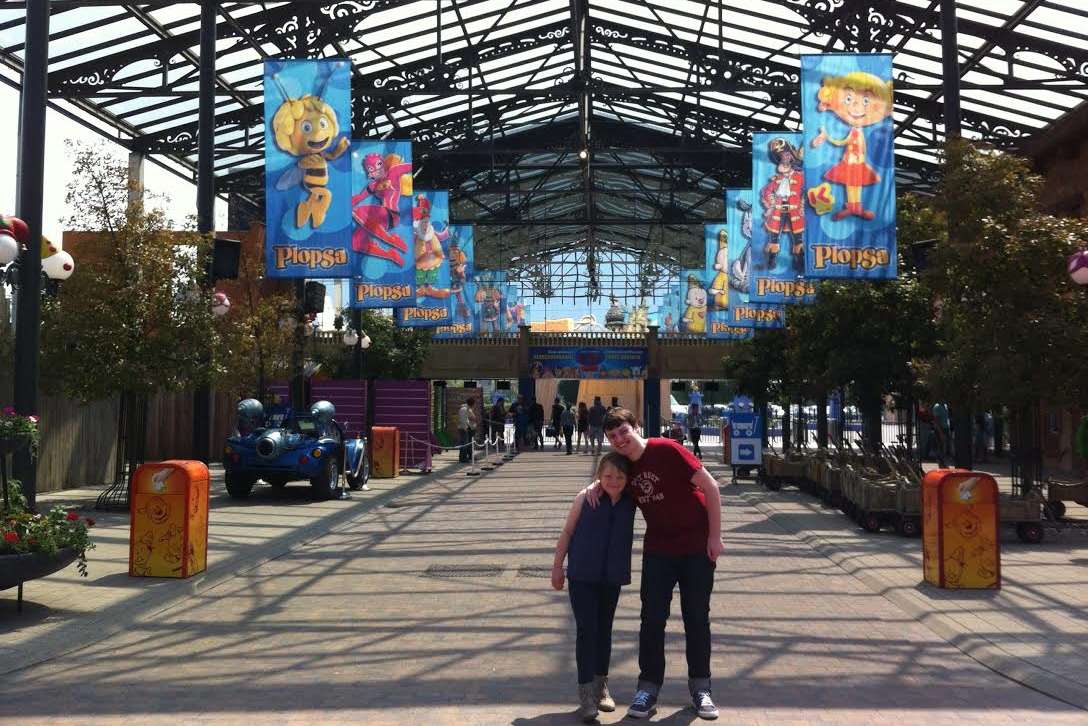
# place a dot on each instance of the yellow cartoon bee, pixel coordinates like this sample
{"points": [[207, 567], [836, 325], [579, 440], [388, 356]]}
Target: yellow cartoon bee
{"points": [[307, 128]]}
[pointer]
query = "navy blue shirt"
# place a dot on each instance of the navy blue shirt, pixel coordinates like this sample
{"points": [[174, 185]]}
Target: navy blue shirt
{"points": [[600, 548]]}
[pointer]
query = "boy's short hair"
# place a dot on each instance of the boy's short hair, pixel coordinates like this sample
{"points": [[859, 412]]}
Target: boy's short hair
{"points": [[617, 417], [621, 462]]}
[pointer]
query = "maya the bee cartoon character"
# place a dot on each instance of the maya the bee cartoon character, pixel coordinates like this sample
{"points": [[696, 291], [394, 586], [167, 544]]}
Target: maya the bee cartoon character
{"points": [[307, 128]]}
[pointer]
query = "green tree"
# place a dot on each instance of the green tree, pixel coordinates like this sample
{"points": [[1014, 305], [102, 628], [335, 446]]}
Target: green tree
{"points": [[394, 352], [133, 318]]}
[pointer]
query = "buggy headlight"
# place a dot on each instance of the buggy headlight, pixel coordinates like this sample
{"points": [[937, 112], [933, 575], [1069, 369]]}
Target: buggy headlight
{"points": [[317, 453]]}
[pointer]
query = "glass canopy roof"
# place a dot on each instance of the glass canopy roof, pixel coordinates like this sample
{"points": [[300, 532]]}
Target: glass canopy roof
{"points": [[500, 96]]}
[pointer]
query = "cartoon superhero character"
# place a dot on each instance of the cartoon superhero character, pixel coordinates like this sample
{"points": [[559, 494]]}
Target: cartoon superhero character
{"points": [[374, 236], [782, 199], [307, 128], [385, 179], [719, 286], [694, 319], [859, 99], [429, 255]]}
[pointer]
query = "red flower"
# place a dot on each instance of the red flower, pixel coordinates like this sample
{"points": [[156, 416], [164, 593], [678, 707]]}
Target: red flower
{"points": [[33, 418], [9, 410], [90, 522], [11, 537], [72, 516]]}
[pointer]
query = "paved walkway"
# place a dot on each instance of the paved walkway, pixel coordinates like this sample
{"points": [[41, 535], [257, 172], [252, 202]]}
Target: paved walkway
{"points": [[435, 608]]}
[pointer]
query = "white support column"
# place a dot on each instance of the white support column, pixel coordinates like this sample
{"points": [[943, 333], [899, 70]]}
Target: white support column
{"points": [[135, 178]]}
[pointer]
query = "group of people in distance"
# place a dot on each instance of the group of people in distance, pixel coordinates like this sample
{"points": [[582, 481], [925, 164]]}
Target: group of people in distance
{"points": [[680, 502], [530, 430]]}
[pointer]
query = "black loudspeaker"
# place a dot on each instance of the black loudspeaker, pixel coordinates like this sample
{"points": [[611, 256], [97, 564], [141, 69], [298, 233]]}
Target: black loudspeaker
{"points": [[710, 386], [503, 385], [470, 384], [678, 386], [225, 256], [314, 299]]}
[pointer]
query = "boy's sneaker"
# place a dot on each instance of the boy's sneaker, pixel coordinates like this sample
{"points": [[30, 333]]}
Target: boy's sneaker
{"points": [[644, 705], [704, 705]]}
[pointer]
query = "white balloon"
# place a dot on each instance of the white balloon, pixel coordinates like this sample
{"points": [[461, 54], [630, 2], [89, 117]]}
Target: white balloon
{"points": [[220, 304], [9, 249], [59, 266], [350, 338]]}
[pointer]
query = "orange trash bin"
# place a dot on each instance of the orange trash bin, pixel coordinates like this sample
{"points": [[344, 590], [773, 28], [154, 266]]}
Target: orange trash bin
{"points": [[168, 504], [384, 452], [961, 547]]}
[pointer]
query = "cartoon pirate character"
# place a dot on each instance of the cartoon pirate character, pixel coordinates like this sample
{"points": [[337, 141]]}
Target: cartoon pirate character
{"points": [[429, 255], [458, 276], [859, 99], [783, 208], [489, 299]]}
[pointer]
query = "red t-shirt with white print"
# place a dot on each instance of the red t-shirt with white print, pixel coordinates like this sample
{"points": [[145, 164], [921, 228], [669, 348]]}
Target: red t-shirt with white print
{"points": [[674, 508]]}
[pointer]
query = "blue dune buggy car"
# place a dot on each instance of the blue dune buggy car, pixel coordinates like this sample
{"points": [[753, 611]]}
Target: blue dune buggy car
{"points": [[289, 446]]}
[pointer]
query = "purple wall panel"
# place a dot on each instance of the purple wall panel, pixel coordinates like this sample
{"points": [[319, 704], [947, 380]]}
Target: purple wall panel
{"points": [[406, 405], [349, 398]]}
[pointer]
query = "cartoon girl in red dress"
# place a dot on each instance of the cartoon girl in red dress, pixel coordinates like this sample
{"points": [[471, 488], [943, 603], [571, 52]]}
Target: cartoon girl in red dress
{"points": [[859, 99]]}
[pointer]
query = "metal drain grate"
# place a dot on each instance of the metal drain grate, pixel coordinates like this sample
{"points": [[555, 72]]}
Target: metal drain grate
{"points": [[464, 570], [534, 571]]}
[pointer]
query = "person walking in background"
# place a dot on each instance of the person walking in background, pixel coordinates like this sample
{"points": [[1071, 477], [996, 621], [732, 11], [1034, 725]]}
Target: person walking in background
{"points": [[695, 428], [520, 412], [582, 444], [595, 418], [466, 427], [596, 542], [536, 424], [497, 423], [557, 427], [567, 419]]}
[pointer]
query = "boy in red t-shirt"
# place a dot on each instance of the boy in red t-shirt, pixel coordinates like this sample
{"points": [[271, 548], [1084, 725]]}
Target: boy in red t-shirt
{"points": [[680, 502]]}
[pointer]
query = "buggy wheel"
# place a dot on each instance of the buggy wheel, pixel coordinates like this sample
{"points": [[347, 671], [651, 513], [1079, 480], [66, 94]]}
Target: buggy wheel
{"points": [[909, 526], [1054, 510], [324, 484], [1030, 532], [359, 482], [870, 521], [239, 484]]}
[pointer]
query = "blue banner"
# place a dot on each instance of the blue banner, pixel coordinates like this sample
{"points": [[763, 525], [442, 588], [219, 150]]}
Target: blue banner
{"points": [[515, 309], [464, 308], [431, 233], [693, 289], [669, 313], [778, 225], [307, 108], [381, 209], [846, 108], [462, 264], [742, 312], [593, 362], [490, 298]]}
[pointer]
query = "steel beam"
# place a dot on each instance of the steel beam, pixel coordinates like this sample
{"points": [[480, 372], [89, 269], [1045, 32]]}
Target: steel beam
{"points": [[30, 190]]}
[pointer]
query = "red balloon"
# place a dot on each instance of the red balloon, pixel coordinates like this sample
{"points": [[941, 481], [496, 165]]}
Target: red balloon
{"points": [[19, 230]]}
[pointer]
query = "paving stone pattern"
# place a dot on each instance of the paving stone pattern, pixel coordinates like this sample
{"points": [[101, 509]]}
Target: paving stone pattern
{"points": [[360, 626]]}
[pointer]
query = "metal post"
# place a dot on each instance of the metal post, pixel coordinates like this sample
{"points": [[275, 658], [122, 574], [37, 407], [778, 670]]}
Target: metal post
{"points": [[205, 199], [135, 179], [30, 186], [357, 353], [950, 57]]}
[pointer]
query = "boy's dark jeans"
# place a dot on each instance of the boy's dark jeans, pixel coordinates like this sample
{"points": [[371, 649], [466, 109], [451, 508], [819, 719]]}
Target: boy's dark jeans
{"points": [[660, 573], [568, 433], [594, 606]]}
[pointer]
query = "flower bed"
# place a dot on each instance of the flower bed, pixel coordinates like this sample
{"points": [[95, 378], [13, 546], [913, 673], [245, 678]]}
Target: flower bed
{"points": [[50, 535]]}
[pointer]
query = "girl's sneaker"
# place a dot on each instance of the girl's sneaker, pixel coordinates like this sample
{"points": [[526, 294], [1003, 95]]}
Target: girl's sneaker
{"points": [[587, 699], [643, 705], [604, 698]]}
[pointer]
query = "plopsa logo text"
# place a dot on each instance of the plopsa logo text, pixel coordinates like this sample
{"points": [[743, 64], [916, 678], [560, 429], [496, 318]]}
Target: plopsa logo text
{"points": [[786, 288], [865, 257], [426, 314], [383, 292], [313, 258]]}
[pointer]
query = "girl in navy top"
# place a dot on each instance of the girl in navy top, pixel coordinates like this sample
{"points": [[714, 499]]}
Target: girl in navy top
{"points": [[597, 545]]}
